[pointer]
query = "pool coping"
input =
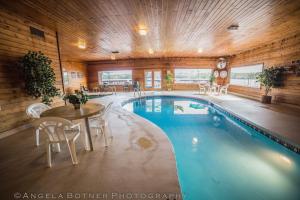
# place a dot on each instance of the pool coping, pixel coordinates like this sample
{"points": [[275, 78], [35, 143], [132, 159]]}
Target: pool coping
{"points": [[278, 138]]}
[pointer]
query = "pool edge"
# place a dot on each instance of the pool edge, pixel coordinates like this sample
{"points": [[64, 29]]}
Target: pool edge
{"points": [[268, 133]]}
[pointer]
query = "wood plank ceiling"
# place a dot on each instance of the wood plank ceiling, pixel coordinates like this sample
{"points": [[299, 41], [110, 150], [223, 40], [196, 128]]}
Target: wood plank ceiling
{"points": [[176, 28]]}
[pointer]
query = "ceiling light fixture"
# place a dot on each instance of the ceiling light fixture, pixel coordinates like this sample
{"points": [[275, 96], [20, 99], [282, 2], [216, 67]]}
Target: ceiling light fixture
{"points": [[81, 44], [200, 50], [143, 31], [150, 51], [233, 27], [113, 55]]}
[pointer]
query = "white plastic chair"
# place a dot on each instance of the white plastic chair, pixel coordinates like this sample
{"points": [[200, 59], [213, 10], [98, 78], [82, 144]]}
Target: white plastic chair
{"points": [[100, 123], [34, 111], [224, 89], [59, 130], [213, 89], [202, 88]]}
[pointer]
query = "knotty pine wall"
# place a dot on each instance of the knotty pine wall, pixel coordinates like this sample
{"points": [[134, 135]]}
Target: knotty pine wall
{"points": [[15, 42], [138, 66], [276, 54], [74, 83]]}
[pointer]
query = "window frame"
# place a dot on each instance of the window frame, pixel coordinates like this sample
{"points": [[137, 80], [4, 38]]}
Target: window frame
{"points": [[256, 85], [192, 81], [117, 81]]}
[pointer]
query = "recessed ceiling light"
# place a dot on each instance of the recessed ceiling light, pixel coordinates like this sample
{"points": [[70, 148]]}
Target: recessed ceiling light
{"points": [[143, 31], [150, 51], [233, 27], [81, 44], [113, 56], [200, 50]]}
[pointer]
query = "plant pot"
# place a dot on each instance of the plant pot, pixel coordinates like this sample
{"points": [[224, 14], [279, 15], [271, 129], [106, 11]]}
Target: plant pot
{"points": [[76, 106], [266, 99]]}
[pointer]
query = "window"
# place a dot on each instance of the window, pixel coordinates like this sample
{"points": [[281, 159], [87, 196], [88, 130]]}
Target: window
{"points": [[79, 75], [115, 77], [148, 79], [192, 75], [73, 75], [66, 78], [245, 76]]}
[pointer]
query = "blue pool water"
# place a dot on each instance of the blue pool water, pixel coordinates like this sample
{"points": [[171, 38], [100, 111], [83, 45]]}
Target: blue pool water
{"points": [[217, 156]]}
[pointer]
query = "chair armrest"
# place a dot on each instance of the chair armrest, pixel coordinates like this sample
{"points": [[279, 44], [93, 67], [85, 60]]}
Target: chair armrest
{"points": [[75, 126]]}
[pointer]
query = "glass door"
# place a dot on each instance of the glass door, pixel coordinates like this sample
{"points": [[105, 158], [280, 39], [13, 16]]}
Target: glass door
{"points": [[157, 79], [152, 79], [148, 79]]}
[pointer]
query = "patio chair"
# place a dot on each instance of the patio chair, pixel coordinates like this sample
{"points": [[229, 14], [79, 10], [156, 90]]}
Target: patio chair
{"points": [[59, 130], [83, 89], [126, 87], [213, 89], [202, 88], [100, 123], [106, 87], [34, 111], [224, 89]]}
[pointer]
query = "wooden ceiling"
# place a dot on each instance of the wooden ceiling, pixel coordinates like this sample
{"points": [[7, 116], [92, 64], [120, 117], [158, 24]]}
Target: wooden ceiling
{"points": [[176, 28]]}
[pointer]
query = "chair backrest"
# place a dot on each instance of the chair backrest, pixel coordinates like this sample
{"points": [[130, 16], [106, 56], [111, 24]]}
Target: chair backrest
{"points": [[200, 85], [36, 109], [136, 85], [107, 109], [54, 127], [225, 86]]}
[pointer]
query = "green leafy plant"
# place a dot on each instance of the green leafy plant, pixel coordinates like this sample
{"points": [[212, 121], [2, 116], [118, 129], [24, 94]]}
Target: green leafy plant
{"points": [[212, 79], [39, 77], [77, 98], [169, 80], [270, 78]]}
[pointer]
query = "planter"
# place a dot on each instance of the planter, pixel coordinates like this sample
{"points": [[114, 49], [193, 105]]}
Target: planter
{"points": [[266, 99], [76, 106]]}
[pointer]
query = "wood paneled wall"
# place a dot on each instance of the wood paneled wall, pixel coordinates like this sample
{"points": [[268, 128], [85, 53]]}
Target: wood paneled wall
{"points": [[74, 83], [15, 42], [139, 65], [279, 53]]}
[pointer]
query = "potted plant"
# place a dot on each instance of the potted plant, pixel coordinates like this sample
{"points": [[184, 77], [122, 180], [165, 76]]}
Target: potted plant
{"points": [[212, 79], [270, 78], [39, 77], [76, 99], [169, 80]]}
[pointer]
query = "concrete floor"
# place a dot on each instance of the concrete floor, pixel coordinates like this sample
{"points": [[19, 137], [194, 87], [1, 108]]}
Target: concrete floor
{"points": [[138, 160]]}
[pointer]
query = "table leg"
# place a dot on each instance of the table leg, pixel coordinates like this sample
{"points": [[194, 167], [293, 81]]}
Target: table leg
{"points": [[88, 131]]}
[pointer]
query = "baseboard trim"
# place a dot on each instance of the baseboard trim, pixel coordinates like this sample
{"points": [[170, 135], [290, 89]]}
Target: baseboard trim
{"points": [[14, 131]]}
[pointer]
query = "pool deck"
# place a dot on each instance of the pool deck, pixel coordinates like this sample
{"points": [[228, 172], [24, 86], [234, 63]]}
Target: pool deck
{"points": [[139, 158]]}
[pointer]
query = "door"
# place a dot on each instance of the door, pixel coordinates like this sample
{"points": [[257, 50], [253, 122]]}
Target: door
{"points": [[152, 79]]}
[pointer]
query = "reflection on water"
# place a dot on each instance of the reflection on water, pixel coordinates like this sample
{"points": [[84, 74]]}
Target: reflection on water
{"points": [[217, 156]]}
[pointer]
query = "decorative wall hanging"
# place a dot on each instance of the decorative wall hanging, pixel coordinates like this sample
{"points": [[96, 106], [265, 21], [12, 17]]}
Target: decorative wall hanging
{"points": [[216, 74], [221, 63], [73, 75], [223, 74]]}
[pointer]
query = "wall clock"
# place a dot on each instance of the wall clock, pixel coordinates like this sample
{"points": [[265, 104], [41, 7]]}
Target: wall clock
{"points": [[223, 74], [216, 74], [221, 63]]}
